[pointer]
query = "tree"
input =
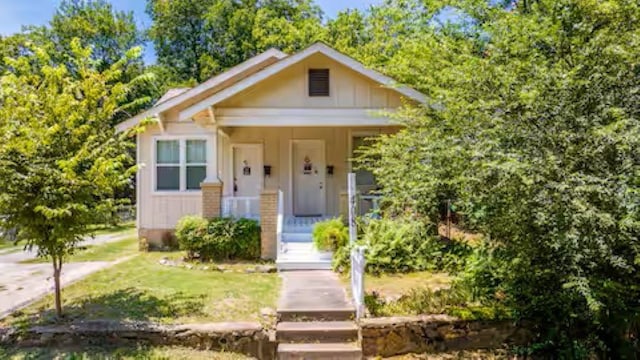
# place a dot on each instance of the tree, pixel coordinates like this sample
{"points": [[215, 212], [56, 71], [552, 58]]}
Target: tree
{"points": [[534, 127], [199, 39], [60, 160]]}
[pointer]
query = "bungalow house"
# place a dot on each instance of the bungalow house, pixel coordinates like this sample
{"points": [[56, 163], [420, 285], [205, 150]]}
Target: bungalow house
{"points": [[270, 139]]}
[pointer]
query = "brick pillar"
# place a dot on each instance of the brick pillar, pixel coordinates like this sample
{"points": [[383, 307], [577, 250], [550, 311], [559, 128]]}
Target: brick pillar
{"points": [[269, 224], [211, 199], [344, 205]]}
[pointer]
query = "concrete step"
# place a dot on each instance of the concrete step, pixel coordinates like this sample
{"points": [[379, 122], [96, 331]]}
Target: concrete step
{"points": [[301, 237], [316, 314], [302, 263], [341, 351], [297, 229], [317, 332]]}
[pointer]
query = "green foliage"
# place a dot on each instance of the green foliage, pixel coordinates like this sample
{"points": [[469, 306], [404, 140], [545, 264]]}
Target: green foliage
{"points": [[330, 235], [534, 128], [198, 39], [219, 238], [404, 245], [60, 159]]}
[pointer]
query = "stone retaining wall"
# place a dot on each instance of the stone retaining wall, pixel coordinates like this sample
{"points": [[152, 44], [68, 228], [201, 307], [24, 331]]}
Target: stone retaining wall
{"points": [[435, 333], [245, 338]]}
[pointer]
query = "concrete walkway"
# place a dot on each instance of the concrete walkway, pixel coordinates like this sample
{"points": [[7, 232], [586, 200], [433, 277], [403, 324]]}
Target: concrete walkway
{"points": [[313, 290], [21, 284]]}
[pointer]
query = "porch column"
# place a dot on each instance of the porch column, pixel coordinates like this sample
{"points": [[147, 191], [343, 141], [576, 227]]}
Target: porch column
{"points": [[212, 186], [269, 224]]}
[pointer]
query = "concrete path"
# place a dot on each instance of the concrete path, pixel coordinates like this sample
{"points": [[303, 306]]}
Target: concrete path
{"points": [[312, 291], [21, 284]]}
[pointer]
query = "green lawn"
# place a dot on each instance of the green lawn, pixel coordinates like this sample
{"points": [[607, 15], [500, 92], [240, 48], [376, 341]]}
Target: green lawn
{"points": [[105, 252], [142, 289], [107, 353], [127, 227]]}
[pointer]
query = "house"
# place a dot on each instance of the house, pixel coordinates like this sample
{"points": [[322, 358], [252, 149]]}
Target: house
{"points": [[271, 136]]}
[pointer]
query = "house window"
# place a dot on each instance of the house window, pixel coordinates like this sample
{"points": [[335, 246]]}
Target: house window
{"points": [[181, 164], [318, 82], [365, 180]]}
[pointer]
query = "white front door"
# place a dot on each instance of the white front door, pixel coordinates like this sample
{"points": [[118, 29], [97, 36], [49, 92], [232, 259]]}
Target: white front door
{"points": [[309, 181], [247, 170]]}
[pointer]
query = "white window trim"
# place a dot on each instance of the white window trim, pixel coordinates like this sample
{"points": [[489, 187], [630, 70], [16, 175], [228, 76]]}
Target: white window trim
{"points": [[182, 145], [359, 133]]}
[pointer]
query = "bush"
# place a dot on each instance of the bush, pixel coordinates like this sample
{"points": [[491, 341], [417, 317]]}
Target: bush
{"points": [[330, 235], [219, 239]]}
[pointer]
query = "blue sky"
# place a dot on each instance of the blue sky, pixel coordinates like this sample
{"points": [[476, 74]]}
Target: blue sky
{"points": [[16, 13]]}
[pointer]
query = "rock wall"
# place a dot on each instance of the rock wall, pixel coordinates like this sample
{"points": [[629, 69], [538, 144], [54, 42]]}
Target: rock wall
{"points": [[245, 338], [435, 333]]}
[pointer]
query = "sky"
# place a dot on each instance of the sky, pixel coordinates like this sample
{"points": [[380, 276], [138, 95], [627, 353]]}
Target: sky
{"points": [[16, 13]]}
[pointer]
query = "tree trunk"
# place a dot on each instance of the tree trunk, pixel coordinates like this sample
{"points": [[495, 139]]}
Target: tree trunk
{"points": [[57, 268]]}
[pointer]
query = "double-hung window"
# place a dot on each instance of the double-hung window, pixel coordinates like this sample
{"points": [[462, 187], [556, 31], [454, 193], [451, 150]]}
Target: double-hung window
{"points": [[181, 164]]}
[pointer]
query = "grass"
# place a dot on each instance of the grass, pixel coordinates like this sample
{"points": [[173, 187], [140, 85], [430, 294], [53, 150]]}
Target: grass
{"points": [[104, 252], [395, 285], [460, 355], [102, 229], [142, 353], [141, 289]]}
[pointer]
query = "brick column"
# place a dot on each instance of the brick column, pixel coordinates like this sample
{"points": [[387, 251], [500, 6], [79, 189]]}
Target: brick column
{"points": [[211, 199], [344, 205], [269, 224]]}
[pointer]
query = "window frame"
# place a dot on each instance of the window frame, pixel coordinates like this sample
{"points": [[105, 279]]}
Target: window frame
{"points": [[182, 165]]}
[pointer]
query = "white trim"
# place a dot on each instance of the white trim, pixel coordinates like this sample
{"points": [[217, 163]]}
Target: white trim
{"points": [[231, 165], [182, 139], [323, 171], [279, 66], [203, 87], [138, 182]]}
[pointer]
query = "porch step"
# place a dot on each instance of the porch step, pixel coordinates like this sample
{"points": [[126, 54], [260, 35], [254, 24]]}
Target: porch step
{"points": [[297, 237], [337, 314], [346, 351], [317, 332], [297, 229], [286, 264]]}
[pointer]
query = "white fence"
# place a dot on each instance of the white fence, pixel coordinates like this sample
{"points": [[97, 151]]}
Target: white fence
{"points": [[357, 252], [241, 207]]}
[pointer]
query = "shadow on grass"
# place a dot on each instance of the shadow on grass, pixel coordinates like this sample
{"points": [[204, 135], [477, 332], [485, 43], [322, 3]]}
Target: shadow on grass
{"points": [[122, 305]]}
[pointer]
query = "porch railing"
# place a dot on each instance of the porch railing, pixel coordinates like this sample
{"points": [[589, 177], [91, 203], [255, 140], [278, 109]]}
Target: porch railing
{"points": [[358, 263], [241, 207], [368, 204], [280, 221]]}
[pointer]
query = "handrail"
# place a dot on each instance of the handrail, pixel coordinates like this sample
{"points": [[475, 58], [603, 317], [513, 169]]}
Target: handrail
{"points": [[230, 205], [280, 221]]}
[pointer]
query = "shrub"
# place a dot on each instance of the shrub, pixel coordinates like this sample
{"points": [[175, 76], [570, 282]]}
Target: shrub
{"points": [[219, 238], [330, 235]]}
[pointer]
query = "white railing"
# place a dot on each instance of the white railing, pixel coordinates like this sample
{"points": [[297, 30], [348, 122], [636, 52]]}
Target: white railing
{"points": [[241, 207], [358, 263], [280, 221], [357, 251]]}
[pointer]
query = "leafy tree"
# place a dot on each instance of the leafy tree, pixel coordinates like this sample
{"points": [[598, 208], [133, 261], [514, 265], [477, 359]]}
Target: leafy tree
{"points": [[60, 160], [108, 32], [201, 38], [534, 128]]}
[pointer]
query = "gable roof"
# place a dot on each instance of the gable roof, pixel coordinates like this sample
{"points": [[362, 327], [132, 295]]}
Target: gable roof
{"points": [[178, 96], [294, 59]]}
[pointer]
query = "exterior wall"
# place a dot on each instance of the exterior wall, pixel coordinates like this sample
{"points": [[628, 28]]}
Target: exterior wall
{"points": [[162, 210], [276, 144], [288, 89]]}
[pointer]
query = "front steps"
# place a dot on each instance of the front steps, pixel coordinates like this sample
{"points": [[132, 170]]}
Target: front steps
{"points": [[297, 251], [316, 318]]}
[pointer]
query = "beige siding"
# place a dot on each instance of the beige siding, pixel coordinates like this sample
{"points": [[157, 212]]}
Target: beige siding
{"points": [[162, 211], [288, 89]]}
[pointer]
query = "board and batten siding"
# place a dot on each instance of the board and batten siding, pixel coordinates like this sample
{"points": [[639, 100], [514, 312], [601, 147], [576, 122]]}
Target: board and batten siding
{"points": [[289, 89]]}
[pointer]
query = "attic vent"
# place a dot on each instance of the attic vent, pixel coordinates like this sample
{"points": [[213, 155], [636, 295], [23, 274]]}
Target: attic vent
{"points": [[318, 82]]}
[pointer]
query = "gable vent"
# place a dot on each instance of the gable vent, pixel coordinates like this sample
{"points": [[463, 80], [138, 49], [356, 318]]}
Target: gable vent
{"points": [[318, 82]]}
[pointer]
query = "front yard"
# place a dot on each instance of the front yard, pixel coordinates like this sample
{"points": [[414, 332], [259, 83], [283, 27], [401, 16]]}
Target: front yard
{"points": [[142, 289]]}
